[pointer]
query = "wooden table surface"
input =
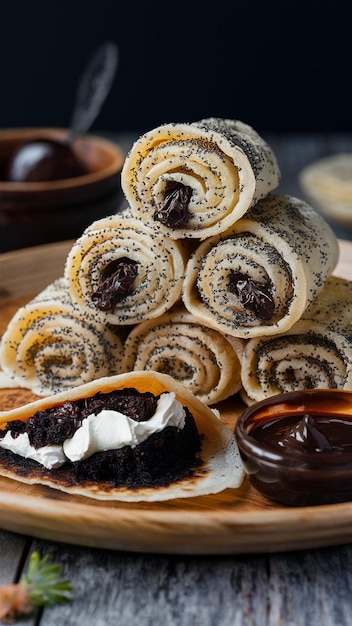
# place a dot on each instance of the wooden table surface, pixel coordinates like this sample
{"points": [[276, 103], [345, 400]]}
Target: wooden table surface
{"points": [[298, 588]]}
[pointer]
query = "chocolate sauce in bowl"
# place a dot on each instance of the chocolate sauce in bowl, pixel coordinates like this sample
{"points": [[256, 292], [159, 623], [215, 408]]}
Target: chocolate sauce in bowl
{"points": [[297, 447], [309, 434]]}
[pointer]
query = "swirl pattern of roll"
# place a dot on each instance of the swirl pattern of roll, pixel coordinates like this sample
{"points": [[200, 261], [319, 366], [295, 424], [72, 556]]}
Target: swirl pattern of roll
{"points": [[202, 359], [124, 273], [259, 277], [195, 180], [315, 353], [50, 345]]}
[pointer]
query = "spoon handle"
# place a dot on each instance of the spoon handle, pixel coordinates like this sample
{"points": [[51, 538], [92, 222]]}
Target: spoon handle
{"points": [[93, 88]]}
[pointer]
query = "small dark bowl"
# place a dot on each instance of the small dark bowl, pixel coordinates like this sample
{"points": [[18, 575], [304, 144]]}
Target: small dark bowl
{"points": [[33, 213], [284, 476]]}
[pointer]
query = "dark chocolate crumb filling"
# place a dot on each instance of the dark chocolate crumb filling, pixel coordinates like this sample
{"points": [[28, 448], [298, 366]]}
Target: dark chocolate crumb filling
{"points": [[54, 425], [163, 458]]}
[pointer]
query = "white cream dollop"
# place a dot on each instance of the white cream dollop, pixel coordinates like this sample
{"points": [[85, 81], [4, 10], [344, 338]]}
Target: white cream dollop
{"points": [[49, 456], [108, 430]]}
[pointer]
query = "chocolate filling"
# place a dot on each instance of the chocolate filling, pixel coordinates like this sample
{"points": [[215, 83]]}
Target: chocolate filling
{"points": [[252, 294], [117, 282], [163, 458], [174, 210]]}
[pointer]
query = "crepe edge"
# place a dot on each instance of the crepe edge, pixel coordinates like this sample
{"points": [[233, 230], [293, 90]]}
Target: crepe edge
{"points": [[221, 466]]}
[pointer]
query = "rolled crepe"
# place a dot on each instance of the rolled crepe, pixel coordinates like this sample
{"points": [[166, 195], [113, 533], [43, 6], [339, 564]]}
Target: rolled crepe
{"points": [[259, 277], [202, 359], [122, 272], [195, 180], [49, 345], [220, 465], [315, 353]]}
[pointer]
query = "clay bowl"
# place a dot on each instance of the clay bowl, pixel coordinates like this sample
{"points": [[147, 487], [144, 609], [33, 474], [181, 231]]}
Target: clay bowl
{"points": [[33, 213]]}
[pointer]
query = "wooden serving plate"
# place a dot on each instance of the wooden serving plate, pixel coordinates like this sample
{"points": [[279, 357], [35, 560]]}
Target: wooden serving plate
{"points": [[232, 522]]}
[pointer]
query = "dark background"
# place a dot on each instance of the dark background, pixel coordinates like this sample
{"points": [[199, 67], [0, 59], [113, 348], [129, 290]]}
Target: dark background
{"points": [[279, 65]]}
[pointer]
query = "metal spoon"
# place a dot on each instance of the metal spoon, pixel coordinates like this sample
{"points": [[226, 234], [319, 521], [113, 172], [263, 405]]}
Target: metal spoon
{"points": [[45, 159]]}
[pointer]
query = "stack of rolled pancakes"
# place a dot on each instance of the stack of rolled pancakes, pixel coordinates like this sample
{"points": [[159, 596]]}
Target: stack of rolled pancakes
{"points": [[209, 275]]}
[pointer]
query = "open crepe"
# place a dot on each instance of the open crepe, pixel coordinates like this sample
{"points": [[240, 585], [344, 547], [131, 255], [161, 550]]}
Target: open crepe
{"points": [[50, 345], [220, 466], [259, 277], [122, 272], [315, 353], [195, 180], [201, 358]]}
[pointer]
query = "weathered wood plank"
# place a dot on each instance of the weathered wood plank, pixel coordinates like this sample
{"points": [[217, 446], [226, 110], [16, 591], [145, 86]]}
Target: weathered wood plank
{"points": [[311, 587], [145, 589], [13, 549], [290, 589]]}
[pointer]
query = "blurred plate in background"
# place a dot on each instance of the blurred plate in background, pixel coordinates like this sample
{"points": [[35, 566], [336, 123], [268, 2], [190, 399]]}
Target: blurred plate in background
{"points": [[327, 183]]}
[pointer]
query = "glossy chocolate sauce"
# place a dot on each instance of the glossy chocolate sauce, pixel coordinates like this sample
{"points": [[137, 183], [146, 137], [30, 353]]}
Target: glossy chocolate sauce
{"points": [[297, 448], [307, 435]]}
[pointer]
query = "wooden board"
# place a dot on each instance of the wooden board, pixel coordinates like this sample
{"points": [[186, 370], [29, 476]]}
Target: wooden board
{"points": [[232, 522]]}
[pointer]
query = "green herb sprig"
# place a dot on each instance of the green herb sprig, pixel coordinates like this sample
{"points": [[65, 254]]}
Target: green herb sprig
{"points": [[41, 585]]}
